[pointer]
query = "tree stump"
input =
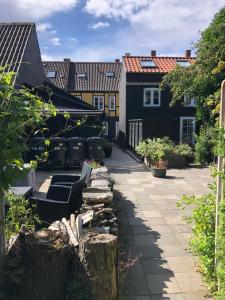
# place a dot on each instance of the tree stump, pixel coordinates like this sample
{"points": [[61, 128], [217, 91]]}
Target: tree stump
{"points": [[99, 257], [45, 258]]}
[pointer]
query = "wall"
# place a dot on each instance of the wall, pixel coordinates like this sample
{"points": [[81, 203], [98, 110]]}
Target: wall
{"points": [[111, 116], [31, 70], [157, 121], [122, 92]]}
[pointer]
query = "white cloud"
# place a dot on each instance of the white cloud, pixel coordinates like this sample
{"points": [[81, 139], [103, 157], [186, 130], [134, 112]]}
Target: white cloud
{"points": [[99, 25], [169, 26], [15, 10], [55, 41], [43, 27]]}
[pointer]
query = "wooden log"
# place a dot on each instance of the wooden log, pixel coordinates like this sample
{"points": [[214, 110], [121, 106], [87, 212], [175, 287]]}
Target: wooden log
{"points": [[99, 257], [73, 225], [70, 233], [96, 198], [45, 258]]}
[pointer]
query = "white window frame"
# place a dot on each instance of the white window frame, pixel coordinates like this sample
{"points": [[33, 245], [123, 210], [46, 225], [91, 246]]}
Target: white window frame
{"points": [[103, 102], [79, 97], [181, 128], [152, 90], [105, 128], [112, 107], [192, 104]]}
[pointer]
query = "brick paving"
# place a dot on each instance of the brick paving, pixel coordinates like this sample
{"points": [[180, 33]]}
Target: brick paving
{"points": [[153, 232]]}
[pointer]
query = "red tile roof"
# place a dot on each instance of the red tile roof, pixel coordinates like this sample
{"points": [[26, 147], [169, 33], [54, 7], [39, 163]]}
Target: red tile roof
{"points": [[163, 64]]}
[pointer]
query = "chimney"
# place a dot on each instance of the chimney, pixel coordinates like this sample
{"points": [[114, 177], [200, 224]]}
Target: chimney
{"points": [[117, 60], [67, 59], [127, 54], [187, 53], [153, 53]]}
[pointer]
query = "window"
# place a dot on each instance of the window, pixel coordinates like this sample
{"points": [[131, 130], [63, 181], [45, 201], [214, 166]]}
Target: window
{"points": [[98, 102], [148, 64], [110, 74], [183, 63], [112, 102], [190, 102], [81, 75], [51, 74], [187, 130], [78, 96], [152, 97], [105, 128]]}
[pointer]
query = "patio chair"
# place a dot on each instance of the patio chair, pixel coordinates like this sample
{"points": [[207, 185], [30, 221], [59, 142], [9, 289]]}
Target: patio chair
{"points": [[68, 179], [60, 201]]}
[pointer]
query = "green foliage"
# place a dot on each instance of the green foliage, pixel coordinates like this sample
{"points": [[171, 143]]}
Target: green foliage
{"points": [[204, 145], [202, 80], [158, 149], [94, 164], [22, 113], [203, 241], [184, 150], [19, 213]]}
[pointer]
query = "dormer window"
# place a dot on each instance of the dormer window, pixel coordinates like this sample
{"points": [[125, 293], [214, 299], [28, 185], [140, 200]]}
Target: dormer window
{"points": [[183, 63], [148, 64], [51, 74], [189, 101], [110, 74], [81, 75]]}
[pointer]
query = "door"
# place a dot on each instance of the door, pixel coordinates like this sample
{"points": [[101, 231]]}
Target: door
{"points": [[187, 130]]}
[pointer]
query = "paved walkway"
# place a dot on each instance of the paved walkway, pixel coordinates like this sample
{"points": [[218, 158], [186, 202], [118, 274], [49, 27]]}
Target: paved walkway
{"points": [[153, 233]]}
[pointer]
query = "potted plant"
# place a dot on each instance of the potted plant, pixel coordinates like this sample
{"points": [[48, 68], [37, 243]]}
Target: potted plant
{"points": [[158, 149], [107, 148]]}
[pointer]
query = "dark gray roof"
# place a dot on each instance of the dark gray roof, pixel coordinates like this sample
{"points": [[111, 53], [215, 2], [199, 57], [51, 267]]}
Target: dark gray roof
{"points": [[13, 41], [95, 76], [62, 72]]}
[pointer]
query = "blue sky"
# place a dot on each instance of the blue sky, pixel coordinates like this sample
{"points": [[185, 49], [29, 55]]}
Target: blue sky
{"points": [[102, 30]]}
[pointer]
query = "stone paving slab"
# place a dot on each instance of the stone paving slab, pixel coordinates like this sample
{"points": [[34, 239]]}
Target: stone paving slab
{"points": [[154, 233]]}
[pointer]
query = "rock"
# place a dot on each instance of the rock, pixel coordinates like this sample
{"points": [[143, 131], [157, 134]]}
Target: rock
{"points": [[101, 183], [96, 198]]}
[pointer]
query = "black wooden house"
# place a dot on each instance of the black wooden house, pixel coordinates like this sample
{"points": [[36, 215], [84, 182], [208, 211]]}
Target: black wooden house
{"points": [[145, 110]]}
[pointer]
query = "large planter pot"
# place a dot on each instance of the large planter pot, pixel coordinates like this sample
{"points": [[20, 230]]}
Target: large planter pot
{"points": [[176, 161], [158, 172]]}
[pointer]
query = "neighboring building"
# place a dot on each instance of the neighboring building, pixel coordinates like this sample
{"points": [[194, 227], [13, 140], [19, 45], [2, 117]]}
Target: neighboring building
{"points": [[19, 50], [145, 109], [96, 83], [20, 53]]}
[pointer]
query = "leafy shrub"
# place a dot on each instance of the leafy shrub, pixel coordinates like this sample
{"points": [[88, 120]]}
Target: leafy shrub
{"points": [[156, 149], [184, 150], [19, 213], [203, 241], [204, 145]]}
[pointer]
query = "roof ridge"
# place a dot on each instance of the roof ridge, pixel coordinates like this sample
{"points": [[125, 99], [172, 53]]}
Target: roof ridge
{"points": [[17, 23], [149, 56]]}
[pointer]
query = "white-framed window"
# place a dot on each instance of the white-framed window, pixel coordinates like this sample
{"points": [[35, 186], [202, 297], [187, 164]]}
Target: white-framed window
{"points": [[152, 97], [79, 97], [51, 74], [187, 130], [183, 63], [112, 102], [98, 102], [105, 128], [189, 101]]}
